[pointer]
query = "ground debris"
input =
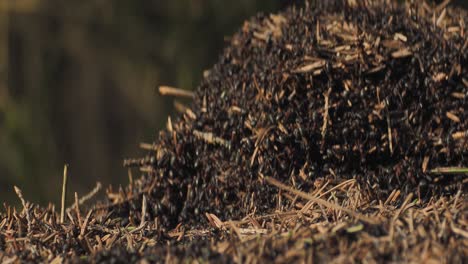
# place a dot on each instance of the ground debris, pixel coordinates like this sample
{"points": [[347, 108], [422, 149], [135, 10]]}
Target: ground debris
{"points": [[328, 132]]}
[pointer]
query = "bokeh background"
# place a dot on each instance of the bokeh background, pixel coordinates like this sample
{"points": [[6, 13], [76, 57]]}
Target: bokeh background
{"points": [[78, 79]]}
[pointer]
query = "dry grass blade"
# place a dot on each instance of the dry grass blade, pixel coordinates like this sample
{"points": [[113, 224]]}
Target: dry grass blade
{"points": [[64, 193]]}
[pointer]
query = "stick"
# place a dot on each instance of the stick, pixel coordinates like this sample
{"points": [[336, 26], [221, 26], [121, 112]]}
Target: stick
{"points": [[25, 207], [167, 90], [147, 146], [325, 113], [91, 194], [64, 193], [449, 170], [389, 130], [209, 138], [77, 208], [143, 211], [87, 196], [319, 201], [85, 224], [143, 216]]}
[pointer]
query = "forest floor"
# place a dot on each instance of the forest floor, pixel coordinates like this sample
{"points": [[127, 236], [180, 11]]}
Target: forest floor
{"points": [[335, 132]]}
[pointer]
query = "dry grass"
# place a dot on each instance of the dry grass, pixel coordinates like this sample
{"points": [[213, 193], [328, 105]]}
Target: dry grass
{"points": [[333, 223]]}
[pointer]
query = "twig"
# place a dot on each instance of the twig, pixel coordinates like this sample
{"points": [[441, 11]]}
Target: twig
{"points": [[325, 114], [169, 124], [319, 201], [168, 90], [208, 137], [460, 135], [214, 221], [402, 53], [425, 163], [459, 231], [311, 67], [143, 216], [85, 223], [449, 170], [350, 181], [77, 208], [191, 114], [64, 193], [402, 208], [441, 17], [25, 207], [130, 176], [261, 134], [87, 197], [91, 194], [441, 6], [457, 196], [183, 109], [143, 211], [147, 146], [389, 130], [452, 117]]}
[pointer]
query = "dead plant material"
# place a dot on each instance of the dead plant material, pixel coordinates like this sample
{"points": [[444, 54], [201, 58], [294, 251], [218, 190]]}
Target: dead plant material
{"points": [[172, 91], [256, 170]]}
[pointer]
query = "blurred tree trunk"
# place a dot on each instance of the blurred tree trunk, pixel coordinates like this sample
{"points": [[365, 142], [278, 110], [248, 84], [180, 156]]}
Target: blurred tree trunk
{"points": [[4, 31]]}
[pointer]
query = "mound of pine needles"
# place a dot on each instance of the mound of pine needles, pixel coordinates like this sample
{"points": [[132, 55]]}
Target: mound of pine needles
{"points": [[333, 131]]}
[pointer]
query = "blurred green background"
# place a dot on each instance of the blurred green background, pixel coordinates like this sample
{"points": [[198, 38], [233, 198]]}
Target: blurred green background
{"points": [[78, 78]]}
